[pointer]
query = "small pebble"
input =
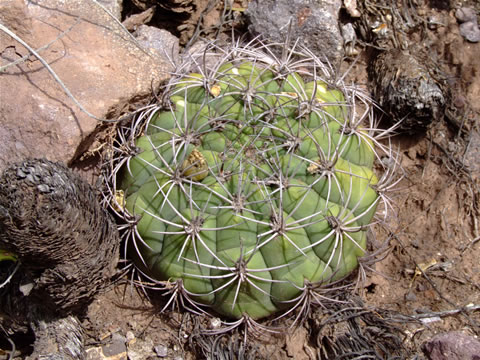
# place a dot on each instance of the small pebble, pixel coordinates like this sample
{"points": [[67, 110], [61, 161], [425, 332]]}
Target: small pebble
{"points": [[118, 338], [161, 350], [21, 174], [129, 336], [410, 296], [215, 323], [349, 39], [466, 14], [459, 101], [423, 310], [470, 31], [26, 288], [30, 178], [43, 188], [348, 33], [434, 22], [117, 349]]}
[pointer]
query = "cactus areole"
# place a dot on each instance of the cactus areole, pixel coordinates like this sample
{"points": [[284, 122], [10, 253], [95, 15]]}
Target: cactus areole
{"points": [[253, 183]]}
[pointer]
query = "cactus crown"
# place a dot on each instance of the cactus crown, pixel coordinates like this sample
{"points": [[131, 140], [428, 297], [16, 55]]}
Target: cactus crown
{"points": [[254, 182]]}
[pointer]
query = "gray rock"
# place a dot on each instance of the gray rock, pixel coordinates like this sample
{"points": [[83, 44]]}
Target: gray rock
{"points": [[466, 14], [116, 347], [452, 346], [470, 31], [410, 296], [472, 155], [313, 23], [94, 353], [163, 43], [349, 39], [97, 60], [161, 350], [141, 349]]}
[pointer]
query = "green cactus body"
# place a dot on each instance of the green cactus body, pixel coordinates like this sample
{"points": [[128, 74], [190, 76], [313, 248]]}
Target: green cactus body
{"points": [[250, 186]]}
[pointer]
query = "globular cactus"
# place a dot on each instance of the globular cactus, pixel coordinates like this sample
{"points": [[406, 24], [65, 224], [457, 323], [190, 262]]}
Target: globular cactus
{"points": [[252, 183]]}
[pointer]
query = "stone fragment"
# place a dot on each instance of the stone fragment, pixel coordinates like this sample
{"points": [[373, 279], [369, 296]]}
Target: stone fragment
{"points": [[349, 39], [351, 7], [161, 351], [467, 17], [94, 353], [470, 31], [452, 346], [184, 15], [314, 24], [160, 41], [472, 155], [466, 14], [141, 349], [116, 348], [96, 59]]}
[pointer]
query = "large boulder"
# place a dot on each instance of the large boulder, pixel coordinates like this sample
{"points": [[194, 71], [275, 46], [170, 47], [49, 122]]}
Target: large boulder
{"points": [[97, 60]]}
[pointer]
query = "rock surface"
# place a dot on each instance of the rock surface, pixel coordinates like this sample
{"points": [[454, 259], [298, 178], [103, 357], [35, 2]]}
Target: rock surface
{"points": [[472, 155], [160, 41], [314, 23], [114, 6], [452, 346], [470, 31], [469, 28], [97, 60]]}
